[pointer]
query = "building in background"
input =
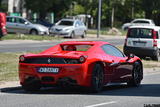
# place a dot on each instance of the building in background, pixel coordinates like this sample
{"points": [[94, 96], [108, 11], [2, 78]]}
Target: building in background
{"points": [[15, 7]]}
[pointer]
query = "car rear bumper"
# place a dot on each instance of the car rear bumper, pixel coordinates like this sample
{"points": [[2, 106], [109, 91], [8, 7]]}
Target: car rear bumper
{"points": [[140, 51], [73, 74]]}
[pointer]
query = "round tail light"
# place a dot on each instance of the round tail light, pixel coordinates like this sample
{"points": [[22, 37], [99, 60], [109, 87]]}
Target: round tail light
{"points": [[21, 58], [82, 59]]}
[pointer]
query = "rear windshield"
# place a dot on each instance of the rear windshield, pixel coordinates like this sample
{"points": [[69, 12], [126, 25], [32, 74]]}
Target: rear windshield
{"points": [[66, 23], [141, 22], [141, 33], [76, 47]]}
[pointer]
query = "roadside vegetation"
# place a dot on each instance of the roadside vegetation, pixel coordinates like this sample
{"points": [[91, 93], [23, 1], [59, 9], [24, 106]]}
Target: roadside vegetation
{"points": [[120, 10], [9, 65], [107, 32], [30, 37]]}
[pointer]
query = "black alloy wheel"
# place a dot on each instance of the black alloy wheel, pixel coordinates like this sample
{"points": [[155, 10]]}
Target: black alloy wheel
{"points": [[31, 85], [97, 78], [137, 75], [34, 32]]}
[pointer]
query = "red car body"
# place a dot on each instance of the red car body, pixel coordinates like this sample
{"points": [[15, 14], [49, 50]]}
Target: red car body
{"points": [[3, 23], [58, 65]]}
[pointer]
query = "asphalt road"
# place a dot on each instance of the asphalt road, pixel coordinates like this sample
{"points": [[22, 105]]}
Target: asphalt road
{"points": [[31, 46], [111, 96]]}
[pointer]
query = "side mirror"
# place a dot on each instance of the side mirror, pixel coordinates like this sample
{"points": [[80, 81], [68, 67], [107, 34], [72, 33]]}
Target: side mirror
{"points": [[56, 23], [26, 23], [130, 56]]}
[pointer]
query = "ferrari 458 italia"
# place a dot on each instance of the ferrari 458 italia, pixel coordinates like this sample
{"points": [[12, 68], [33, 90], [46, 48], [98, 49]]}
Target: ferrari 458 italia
{"points": [[91, 64]]}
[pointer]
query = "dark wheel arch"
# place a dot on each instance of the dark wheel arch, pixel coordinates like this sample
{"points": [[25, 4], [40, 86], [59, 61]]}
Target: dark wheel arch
{"points": [[72, 35], [137, 74], [97, 78], [33, 30], [31, 84], [84, 34]]}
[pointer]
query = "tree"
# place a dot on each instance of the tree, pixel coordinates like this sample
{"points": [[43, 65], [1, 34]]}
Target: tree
{"points": [[114, 4], [3, 7], [44, 6], [151, 9], [39, 6]]}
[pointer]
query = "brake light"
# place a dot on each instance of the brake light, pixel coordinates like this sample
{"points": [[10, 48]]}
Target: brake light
{"points": [[82, 59], [21, 58], [154, 38], [154, 43]]}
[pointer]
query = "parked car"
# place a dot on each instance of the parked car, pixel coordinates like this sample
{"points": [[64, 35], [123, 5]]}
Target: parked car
{"points": [[91, 64], [17, 24], [42, 22], [144, 22], [143, 41], [69, 28]]}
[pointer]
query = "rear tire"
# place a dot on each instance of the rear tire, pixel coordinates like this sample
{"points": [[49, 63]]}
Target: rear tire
{"points": [[34, 32], [97, 78], [84, 34], [157, 56], [137, 75], [31, 85], [72, 35]]}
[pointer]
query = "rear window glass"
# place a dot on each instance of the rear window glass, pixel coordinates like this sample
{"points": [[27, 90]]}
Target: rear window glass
{"points": [[76, 47], [66, 23], [140, 33], [141, 22]]}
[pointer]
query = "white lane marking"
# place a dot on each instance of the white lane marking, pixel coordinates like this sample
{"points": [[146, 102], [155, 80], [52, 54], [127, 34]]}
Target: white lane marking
{"points": [[100, 104]]}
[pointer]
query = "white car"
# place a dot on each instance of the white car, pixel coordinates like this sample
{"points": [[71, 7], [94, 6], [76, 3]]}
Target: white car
{"points": [[17, 24], [143, 41], [140, 22], [69, 28]]}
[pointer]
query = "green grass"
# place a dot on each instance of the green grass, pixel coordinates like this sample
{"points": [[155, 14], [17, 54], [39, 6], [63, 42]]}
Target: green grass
{"points": [[47, 37], [30, 37], [105, 32], [9, 66], [150, 64]]}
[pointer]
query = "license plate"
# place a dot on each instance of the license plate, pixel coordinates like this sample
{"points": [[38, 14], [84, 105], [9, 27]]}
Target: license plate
{"points": [[47, 70], [139, 44]]}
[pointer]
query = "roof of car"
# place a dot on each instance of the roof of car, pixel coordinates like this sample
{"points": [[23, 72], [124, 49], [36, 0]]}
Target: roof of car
{"points": [[147, 27], [70, 20], [84, 42], [143, 19], [15, 16]]}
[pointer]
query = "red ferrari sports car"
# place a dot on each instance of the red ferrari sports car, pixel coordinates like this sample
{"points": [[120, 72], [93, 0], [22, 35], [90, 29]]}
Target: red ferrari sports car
{"points": [[91, 64]]}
